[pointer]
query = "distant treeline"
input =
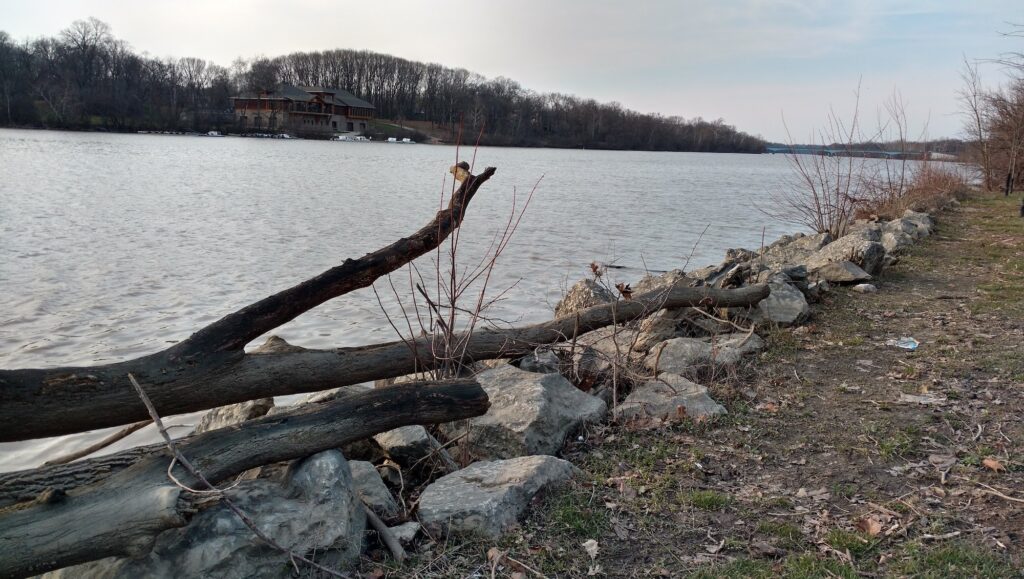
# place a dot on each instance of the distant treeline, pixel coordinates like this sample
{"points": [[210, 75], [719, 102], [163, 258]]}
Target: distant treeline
{"points": [[944, 146], [84, 78]]}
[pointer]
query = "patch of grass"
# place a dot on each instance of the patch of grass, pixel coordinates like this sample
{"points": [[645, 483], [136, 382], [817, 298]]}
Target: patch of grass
{"points": [[858, 544], [740, 568], [845, 490], [899, 443], [789, 535], [779, 344], [708, 500], [955, 560], [795, 567], [570, 511]]}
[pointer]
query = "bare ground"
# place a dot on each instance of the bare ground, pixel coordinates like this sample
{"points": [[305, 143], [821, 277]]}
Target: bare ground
{"points": [[824, 467]]}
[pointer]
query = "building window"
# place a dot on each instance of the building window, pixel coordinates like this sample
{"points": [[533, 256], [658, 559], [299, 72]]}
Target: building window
{"points": [[351, 127], [334, 125]]}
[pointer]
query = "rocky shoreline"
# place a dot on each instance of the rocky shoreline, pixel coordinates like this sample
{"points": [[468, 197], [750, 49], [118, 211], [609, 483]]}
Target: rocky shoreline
{"points": [[479, 476]]}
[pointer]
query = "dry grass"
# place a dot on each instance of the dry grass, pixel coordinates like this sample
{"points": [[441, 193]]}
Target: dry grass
{"points": [[930, 188]]}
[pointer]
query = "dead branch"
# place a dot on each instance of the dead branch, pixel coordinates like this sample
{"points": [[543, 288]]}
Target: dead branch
{"points": [[213, 350], [88, 398]]}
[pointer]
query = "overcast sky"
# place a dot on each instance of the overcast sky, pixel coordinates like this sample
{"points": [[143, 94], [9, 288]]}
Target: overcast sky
{"points": [[747, 61]]}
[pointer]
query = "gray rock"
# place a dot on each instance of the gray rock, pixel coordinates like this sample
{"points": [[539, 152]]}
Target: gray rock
{"points": [[314, 509], [371, 488], [785, 305], [529, 414], [406, 532], [410, 444], [866, 254], [794, 272], [487, 498], [586, 293], [896, 241], [658, 327], [841, 272], [866, 230], [795, 250], [541, 361], [816, 289], [739, 254], [670, 398], [234, 414], [682, 355], [923, 221], [864, 288], [596, 351], [664, 281]]}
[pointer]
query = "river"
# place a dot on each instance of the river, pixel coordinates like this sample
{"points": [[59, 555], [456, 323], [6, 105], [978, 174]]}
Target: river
{"points": [[113, 246]]}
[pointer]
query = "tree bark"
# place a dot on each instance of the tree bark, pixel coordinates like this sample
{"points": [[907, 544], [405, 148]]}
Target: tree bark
{"points": [[122, 514], [72, 400]]}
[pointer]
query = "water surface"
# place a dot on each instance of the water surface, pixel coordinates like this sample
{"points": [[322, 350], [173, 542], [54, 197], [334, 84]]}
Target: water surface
{"points": [[113, 246]]}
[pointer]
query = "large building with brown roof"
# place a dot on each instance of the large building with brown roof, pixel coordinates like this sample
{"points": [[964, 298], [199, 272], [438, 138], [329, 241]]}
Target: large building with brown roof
{"points": [[310, 111]]}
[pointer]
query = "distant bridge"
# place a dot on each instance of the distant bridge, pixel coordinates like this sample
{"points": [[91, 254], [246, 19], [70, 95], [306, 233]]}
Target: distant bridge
{"points": [[844, 152]]}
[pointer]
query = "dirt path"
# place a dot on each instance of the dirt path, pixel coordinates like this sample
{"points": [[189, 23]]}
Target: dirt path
{"points": [[841, 455]]}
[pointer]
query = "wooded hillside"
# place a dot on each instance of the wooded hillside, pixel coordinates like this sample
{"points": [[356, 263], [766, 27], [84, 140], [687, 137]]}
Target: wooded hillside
{"points": [[85, 78]]}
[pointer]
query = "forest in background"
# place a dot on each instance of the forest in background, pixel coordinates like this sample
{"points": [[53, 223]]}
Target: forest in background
{"points": [[85, 78]]}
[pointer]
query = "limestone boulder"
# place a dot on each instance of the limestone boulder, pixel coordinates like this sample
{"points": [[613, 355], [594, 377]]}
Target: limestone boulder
{"points": [[541, 361], [670, 398], [866, 230], [314, 509], [584, 294], [922, 221], [488, 498], [683, 355], [234, 414], [530, 414], [841, 272], [895, 242], [663, 281], [785, 305], [794, 249], [372, 490], [597, 351], [868, 255], [409, 445]]}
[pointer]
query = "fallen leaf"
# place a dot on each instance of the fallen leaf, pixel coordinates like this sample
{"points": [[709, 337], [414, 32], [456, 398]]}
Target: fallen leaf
{"points": [[518, 575], [993, 464], [870, 525], [590, 546], [494, 555]]}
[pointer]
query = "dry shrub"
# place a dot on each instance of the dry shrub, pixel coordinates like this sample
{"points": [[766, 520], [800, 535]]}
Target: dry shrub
{"points": [[928, 187]]}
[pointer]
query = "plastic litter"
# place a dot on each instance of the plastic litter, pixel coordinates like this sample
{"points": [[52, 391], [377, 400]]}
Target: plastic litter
{"points": [[906, 343]]}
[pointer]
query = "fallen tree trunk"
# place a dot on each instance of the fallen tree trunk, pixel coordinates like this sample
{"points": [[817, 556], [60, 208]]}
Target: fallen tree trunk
{"points": [[79, 399], [122, 514]]}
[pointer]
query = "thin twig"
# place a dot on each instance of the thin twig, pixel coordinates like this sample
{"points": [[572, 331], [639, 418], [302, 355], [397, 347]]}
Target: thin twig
{"points": [[292, 555], [120, 434], [385, 534]]}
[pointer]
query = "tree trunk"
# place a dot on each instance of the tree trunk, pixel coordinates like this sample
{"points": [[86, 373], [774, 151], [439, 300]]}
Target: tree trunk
{"points": [[121, 514], [69, 400]]}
